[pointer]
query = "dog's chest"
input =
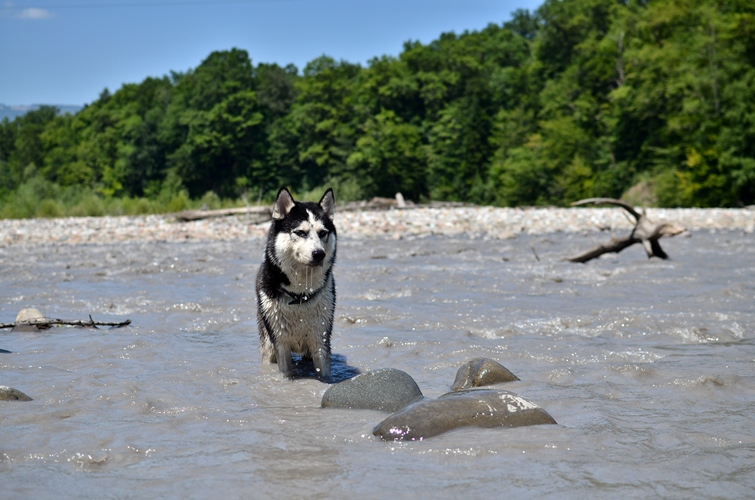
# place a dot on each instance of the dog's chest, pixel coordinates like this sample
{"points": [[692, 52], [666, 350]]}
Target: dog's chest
{"points": [[303, 324]]}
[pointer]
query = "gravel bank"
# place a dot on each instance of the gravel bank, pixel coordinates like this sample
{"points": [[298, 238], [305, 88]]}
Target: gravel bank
{"points": [[476, 222]]}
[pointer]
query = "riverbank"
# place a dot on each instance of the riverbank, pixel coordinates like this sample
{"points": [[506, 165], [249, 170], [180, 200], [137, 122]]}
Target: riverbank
{"points": [[476, 222]]}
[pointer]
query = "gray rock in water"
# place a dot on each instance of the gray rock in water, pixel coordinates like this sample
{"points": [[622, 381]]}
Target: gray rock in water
{"points": [[479, 372], [473, 407], [25, 328], [386, 389], [11, 394]]}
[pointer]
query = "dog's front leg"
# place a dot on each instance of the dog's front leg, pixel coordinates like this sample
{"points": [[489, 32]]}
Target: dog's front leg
{"points": [[321, 360], [284, 361]]}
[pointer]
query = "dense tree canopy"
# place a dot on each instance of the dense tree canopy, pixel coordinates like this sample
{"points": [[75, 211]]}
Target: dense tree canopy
{"points": [[651, 100]]}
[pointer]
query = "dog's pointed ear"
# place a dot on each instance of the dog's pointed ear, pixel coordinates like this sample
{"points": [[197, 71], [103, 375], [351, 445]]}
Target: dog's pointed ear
{"points": [[283, 204], [328, 203]]}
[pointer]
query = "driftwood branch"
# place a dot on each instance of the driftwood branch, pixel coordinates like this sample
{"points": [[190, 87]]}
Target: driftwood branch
{"points": [[609, 201], [262, 214], [645, 232], [44, 323], [377, 203]]}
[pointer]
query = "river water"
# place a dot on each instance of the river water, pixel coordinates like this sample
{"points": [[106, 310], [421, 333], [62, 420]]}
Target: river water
{"points": [[646, 365]]}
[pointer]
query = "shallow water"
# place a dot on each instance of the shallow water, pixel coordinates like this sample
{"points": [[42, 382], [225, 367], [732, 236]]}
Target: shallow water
{"points": [[647, 366]]}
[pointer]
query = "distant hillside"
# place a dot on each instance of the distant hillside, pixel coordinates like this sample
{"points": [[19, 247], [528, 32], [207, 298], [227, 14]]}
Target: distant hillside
{"points": [[12, 112]]}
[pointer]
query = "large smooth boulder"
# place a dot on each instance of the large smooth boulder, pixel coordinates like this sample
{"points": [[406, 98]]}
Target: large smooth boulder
{"points": [[11, 394], [480, 372], [465, 408], [386, 389]]}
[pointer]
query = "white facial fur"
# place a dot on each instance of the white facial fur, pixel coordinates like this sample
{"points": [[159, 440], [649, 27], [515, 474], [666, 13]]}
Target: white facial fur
{"points": [[295, 250]]}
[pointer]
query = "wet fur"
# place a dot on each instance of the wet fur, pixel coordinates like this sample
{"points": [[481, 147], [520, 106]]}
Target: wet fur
{"points": [[296, 292]]}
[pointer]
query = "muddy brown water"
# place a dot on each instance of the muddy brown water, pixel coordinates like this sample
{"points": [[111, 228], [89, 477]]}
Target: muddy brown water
{"points": [[647, 366]]}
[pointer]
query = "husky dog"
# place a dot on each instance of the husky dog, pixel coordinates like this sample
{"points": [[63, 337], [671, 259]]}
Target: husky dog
{"points": [[296, 293]]}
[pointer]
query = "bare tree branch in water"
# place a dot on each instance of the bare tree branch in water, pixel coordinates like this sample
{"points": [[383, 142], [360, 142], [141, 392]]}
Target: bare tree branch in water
{"points": [[45, 323], [645, 232]]}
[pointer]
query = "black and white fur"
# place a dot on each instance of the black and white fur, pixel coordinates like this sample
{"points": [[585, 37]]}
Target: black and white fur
{"points": [[296, 293]]}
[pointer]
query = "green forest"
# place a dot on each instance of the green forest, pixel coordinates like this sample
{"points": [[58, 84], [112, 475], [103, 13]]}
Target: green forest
{"points": [[650, 101]]}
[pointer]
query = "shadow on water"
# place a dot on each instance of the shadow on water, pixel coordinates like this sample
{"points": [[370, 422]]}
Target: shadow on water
{"points": [[340, 370]]}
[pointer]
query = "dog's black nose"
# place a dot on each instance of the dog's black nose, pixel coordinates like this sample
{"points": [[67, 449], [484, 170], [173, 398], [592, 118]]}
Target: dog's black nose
{"points": [[318, 255]]}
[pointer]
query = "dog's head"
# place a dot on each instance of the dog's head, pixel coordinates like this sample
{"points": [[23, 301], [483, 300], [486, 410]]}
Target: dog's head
{"points": [[304, 231]]}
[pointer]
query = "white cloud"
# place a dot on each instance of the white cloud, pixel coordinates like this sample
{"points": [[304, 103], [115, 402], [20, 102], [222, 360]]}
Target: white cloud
{"points": [[35, 13]]}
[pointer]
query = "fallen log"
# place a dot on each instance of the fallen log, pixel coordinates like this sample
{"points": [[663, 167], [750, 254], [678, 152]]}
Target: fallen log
{"points": [[262, 214], [645, 232], [377, 203]]}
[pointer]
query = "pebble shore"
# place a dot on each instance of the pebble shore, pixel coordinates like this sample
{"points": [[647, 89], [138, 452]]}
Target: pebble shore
{"points": [[474, 222]]}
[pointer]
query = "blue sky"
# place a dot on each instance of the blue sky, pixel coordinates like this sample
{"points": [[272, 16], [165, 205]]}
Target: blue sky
{"points": [[67, 51]]}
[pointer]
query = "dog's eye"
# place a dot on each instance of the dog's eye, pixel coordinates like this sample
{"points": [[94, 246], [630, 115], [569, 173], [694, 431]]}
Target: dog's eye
{"points": [[300, 233], [322, 233]]}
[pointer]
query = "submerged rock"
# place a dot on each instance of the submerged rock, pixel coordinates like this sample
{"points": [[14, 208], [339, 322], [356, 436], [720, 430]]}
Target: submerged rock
{"points": [[11, 394], [480, 372], [386, 389], [465, 408], [23, 328]]}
